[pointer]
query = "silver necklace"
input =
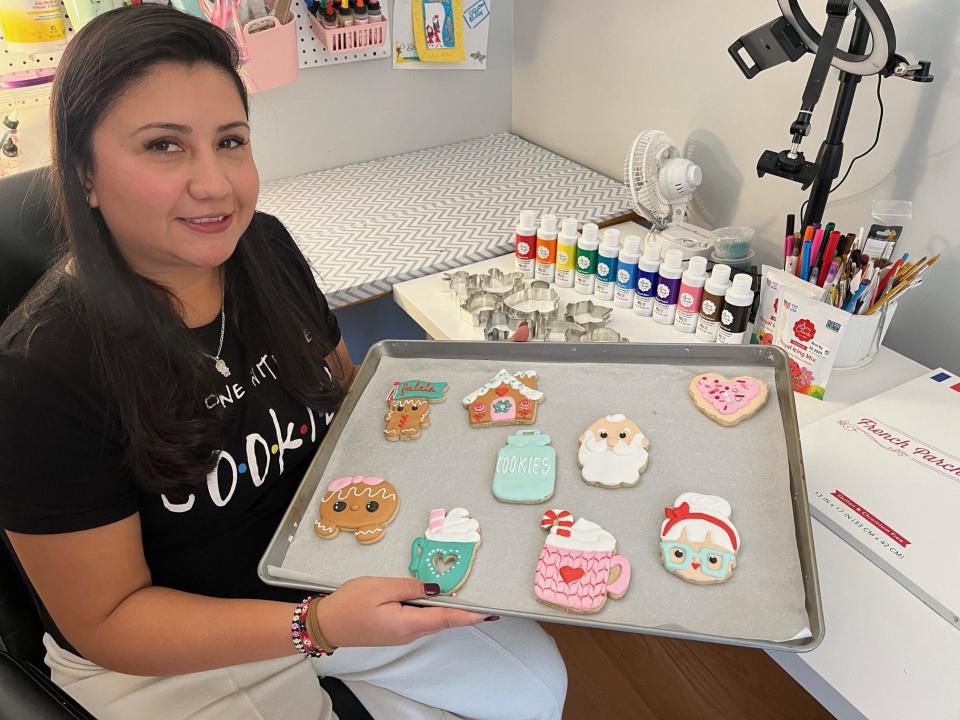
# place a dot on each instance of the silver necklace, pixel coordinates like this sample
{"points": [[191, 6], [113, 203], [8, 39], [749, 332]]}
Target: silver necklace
{"points": [[218, 362]]}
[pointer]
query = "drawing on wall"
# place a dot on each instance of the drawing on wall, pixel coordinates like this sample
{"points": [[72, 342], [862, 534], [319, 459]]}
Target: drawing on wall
{"points": [[446, 34]]}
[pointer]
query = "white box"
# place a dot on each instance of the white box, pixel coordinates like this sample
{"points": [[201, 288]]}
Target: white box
{"points": [[885, 476]]}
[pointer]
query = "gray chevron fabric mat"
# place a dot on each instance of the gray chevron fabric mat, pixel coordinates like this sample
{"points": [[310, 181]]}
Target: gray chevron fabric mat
{"points": [[369, 225]]}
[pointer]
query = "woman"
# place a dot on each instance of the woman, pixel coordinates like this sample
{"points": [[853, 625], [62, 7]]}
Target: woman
{"points": [[162, 391]]}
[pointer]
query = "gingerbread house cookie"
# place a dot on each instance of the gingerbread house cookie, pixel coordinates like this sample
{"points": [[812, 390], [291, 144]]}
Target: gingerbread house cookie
{"points": [[507, 399]]}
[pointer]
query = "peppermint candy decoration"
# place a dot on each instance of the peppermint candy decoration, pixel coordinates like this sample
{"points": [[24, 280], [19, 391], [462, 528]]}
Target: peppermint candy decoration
{"points": [[561, 518]]}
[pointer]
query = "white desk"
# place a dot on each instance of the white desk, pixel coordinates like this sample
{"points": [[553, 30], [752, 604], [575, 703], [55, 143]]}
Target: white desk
{"points": [[885, 654]]}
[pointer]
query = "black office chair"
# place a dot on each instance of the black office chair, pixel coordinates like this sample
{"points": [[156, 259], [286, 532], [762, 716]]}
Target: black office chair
{"points": [[26, 692]]}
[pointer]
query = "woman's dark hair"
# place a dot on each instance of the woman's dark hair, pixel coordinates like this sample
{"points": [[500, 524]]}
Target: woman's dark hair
{"points": [[156, 376]]}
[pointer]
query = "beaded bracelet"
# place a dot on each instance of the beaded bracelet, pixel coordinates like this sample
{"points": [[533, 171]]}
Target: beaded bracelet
{"points": [[301, 635]]}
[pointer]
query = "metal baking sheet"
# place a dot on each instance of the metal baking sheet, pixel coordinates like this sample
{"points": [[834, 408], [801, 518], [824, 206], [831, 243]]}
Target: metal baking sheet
{"points": [[772, 601]]}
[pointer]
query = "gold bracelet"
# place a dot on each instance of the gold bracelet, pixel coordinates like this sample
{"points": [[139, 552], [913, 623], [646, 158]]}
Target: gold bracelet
{"points": [[313, 627]]}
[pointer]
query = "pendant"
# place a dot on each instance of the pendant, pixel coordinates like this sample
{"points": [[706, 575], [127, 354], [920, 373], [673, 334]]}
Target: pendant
{"points": [[222, 368]]}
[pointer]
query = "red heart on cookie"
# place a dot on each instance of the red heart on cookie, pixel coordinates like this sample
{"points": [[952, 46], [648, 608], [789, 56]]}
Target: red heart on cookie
{"points": [[501, 391], [570, 574]]}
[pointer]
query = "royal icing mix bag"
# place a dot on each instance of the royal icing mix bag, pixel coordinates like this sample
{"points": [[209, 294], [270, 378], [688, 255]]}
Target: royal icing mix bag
{"points": [[810, 332], [765, 325]]}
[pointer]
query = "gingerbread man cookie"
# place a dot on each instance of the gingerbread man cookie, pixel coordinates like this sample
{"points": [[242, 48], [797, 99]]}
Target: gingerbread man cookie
{"points": [[409, 402], [363, 505], [698, 542], [727, 402], [613, 452]]}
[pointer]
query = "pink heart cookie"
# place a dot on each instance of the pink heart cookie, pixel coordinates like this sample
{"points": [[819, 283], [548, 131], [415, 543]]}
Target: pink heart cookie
{"points": [[727, 401]]}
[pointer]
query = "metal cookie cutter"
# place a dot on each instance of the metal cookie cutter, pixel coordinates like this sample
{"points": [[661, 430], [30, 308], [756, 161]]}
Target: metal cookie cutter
{"points": [[499, 326], [462, 289], [449, 280], [532, 305], [478, 308], [557, 330], [500, 283], [588, 314], [600, 335]]}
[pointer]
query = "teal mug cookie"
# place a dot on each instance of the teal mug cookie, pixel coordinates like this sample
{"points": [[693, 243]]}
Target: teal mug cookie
{"points": [[445, 552], [526, 469]]}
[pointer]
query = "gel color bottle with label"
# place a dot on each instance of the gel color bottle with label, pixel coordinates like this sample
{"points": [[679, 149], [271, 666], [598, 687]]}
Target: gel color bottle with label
{"points": [[648, 268], [587, 247], [607, 265], [691, 292], [668, 287], [526, 243], [736, 311], [712, 303], [546, 264], [566, 253]]}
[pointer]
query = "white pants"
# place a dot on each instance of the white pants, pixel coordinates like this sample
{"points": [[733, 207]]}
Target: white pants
{"points": [[504, 670]]}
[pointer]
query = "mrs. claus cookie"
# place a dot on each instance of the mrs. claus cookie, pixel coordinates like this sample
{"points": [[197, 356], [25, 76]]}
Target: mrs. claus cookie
{"points": [[727, 401], [698, 542]]}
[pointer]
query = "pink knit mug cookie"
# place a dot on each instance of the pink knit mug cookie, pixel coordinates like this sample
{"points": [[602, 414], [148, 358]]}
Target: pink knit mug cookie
{"points": [[578, 566]]}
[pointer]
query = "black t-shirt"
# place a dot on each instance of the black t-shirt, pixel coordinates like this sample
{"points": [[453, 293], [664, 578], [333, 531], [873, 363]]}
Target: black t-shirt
{"points": [[62, 456]]}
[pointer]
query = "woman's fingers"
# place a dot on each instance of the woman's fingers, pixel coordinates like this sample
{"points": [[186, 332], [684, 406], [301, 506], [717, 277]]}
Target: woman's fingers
{"points": [[419, 621], [402, 589]]}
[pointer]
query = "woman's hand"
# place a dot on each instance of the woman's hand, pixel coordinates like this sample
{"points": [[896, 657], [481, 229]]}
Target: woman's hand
{"points": [[367, 612]]}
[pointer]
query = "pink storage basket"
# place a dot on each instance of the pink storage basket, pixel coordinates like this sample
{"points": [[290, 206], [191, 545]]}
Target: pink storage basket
{"points": [[350, 39], [272, 49]]}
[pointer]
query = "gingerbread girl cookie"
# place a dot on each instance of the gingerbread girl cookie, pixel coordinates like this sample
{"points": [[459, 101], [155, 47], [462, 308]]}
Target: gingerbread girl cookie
{"points": [[698, 542], [409, 402], [727, 402], [363, 505]]}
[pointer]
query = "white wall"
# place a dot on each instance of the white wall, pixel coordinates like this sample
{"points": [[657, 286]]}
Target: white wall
{"points": [[347, 113], [585, 83]]}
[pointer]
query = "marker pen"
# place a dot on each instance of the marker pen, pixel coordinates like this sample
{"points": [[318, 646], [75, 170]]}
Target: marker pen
{"points": [[525, 247], [708, 323], [691, 292], [736, 311], [607, 265], [566, 253], [627, 272], [668, 287], [546, 249], [345, 14], [360, 16], [790, 266], [647, 275], [587, 259]]}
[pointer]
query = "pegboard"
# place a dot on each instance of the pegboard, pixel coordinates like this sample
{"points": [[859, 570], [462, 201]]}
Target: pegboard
{"points": [[312, 53]]}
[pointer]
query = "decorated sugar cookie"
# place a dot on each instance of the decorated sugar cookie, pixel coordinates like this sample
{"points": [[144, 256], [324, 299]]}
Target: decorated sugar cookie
{"points": [[505, 400], [526, 469], [727, 402], [698, 542], [445, 553], [409, 402], [362, 505], [613, 452], [578, 566]]}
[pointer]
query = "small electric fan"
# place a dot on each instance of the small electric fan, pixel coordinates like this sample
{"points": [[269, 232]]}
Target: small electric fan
{"points": [[661, 185]]}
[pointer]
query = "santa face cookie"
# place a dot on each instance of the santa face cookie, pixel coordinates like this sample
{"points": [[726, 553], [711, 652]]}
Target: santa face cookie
{"points": [[613, 452], [445, 553], [505, 400], [578, 566], [362, 505], [526, 469], [409, 408], [698, 542], [727, 402]]}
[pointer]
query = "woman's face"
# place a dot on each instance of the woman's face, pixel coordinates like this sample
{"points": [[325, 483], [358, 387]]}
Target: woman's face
{"points": [[173, 173]]}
